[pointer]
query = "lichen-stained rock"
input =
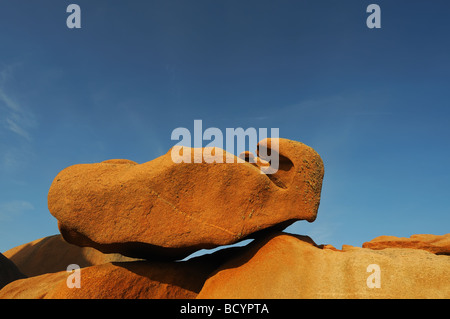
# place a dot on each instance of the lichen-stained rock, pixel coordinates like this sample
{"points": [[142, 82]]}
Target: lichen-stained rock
{"points": [[54, 254], [288, 266], [161, 209], [436, 244], [8, 271]]}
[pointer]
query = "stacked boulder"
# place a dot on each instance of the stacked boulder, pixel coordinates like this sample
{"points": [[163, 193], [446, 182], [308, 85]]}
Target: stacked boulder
{"points": [[128, 225], [166, 211]]}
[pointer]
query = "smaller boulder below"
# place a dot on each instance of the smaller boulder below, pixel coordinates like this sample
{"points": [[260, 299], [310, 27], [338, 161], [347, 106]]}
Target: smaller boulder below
{"points": [[291, 266], [127, 280], [123, 280]]}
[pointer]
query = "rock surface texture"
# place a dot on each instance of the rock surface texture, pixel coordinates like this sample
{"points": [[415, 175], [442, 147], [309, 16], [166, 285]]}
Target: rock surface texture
{"points": [[161, 209]]}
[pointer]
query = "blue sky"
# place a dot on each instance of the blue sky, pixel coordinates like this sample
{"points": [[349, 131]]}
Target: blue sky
{"points": [[374, 103]]}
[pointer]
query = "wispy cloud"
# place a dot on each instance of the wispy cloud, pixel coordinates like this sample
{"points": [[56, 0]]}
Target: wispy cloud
{"points": [[14, 117], [14, 127], [10, 210], [13, 106]]}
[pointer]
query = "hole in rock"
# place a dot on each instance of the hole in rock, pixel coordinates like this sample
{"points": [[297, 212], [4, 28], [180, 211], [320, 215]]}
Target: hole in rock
{"points": [[202, 252]]}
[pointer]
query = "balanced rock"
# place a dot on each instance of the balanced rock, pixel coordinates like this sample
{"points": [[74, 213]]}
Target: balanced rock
{"points": [[53, 254], [436, 244], [161, 209], [288, 266], [8, 271]]}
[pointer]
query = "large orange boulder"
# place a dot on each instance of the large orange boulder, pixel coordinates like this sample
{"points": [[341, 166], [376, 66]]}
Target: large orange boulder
{"points": [[161, 209], [54, 254], [8, 271], [436, 244], [288, 266]]}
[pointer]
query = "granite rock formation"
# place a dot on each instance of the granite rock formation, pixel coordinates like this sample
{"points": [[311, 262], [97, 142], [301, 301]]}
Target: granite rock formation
{"points": [[161, 211]]}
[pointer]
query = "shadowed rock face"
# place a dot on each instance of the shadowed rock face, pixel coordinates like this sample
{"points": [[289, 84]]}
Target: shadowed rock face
{"points": [[124, 280], [116, 280], [54, 254], [8, 271], [164, 210]]}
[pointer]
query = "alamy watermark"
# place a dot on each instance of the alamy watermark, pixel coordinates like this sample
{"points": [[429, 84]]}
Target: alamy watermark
{"points": [[74, 279], [73, 21], [374, 280], [190, 148]]}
